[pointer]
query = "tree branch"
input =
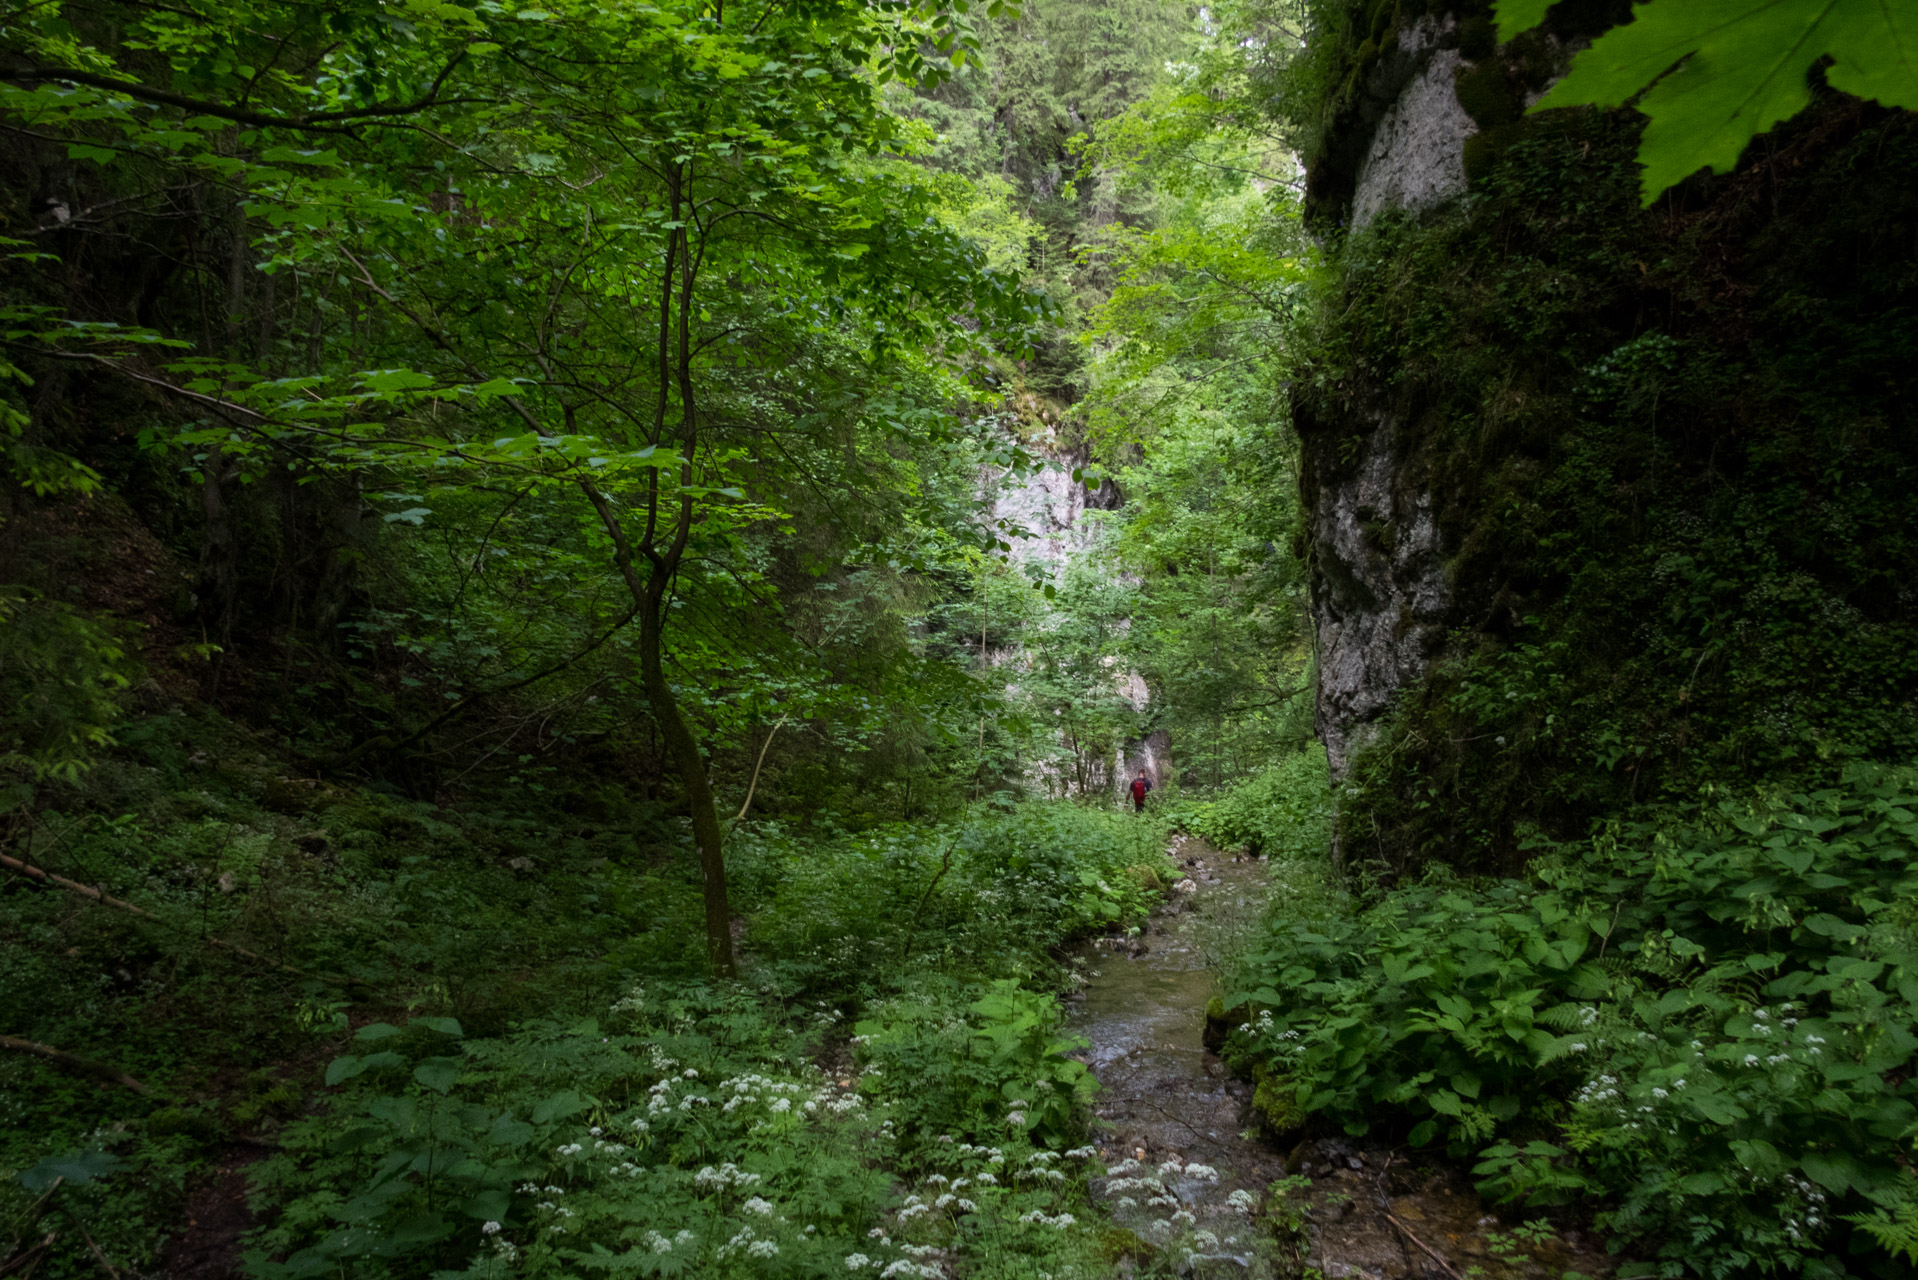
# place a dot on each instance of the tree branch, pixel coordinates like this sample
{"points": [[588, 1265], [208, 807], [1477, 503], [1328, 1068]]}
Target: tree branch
{"points": [[315, 121]]}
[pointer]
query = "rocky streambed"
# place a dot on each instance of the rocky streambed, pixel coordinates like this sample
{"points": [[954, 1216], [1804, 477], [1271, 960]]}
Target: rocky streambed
{"points": [[1193, 1174]]}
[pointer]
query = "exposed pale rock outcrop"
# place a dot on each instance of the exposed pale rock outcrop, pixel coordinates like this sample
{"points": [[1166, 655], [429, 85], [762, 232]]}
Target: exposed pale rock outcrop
{"points": [[1379, 594]]}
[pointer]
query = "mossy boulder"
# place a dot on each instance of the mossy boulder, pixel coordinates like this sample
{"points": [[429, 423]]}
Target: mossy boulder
{"points": [[1277, 1105]]}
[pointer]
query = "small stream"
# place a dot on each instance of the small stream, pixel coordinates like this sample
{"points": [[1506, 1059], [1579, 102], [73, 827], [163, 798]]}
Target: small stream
{"points": [[1168, 1105], [1186, 1169]]}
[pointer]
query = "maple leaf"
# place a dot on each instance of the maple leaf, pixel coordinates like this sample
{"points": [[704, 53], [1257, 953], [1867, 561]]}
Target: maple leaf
{"points": [[1722, 72]]}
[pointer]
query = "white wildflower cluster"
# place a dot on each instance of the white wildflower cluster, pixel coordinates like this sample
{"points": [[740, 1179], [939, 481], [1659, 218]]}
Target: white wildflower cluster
{"points": [[634, 1001], [725, 1175], [1128, 1181], [905, 1269], [603, 1146], [1042, 1174], [660, 1244], [784, 1097], [1202, 1172], [505, 1250], [747, 1242], [759, 1206], [1603, 1089], [991, 1155], [1039, 1217], [1802, 1226], [1204, 1241], [1082, 1153], [568, 1150], [1242, 1201]]}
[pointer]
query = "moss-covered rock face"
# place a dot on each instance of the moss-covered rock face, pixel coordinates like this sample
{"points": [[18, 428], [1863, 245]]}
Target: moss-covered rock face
{"points": [[1608, 506]]}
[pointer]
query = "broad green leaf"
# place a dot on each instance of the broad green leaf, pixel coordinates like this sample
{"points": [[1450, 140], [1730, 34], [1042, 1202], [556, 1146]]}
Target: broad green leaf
{"points": [[1723, 71], [438, 1074], [445, 1026], [558, 1107], [1515, 16], [491, 1205], [376, 1031], [75, 1168], [509, 1132], [1833, 1170]]}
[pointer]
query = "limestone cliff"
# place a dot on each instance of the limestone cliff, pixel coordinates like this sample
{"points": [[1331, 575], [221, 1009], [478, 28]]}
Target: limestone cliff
{"points": [[1603, 505]]}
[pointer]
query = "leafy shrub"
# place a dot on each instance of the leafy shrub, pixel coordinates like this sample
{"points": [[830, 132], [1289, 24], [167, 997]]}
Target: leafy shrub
{"points": [[850, 916], [61, 677], [1004, 1067], [1284, 812], [1706, 1022]]}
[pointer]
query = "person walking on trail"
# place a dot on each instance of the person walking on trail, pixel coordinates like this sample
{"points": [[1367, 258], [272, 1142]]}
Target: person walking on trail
{"points": [[1140, 786]]}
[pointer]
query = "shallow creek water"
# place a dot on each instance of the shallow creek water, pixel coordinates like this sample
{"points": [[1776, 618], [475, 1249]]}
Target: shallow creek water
{"points": [[1171, 1108], [1166, 1103]]}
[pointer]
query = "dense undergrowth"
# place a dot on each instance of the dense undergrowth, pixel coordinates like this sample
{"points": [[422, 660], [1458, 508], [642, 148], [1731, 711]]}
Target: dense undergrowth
{"points": [[527, 984], [1283, 812], [1701, 1024]]}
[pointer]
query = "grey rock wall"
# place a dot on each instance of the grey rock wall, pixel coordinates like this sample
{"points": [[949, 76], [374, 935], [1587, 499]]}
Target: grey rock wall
{"points": [[1379, 591], [1380, 596], [1417, 155]]}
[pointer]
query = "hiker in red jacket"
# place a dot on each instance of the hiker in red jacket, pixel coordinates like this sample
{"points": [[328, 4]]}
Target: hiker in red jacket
{"points": [[1140, 785]]}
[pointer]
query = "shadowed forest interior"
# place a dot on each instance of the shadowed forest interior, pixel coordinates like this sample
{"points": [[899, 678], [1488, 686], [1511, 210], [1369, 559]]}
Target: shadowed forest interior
{"points": [[630, 631]]}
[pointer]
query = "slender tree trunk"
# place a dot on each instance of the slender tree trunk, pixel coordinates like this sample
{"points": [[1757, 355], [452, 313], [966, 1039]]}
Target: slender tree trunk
{"points": [[649, 591], [684, 749], [217, 587]]}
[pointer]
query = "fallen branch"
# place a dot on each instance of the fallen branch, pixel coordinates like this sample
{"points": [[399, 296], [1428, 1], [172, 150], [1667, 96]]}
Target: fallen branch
{"points": [[1434, 1254], [27, 1258], [74, 1062], [88, 891]]}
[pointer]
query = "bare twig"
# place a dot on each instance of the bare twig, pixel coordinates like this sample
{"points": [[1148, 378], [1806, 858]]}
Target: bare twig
{"points": [[753, 782], [945, 865], [1430, 1252], [112, 1271], [27, 1258]]}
